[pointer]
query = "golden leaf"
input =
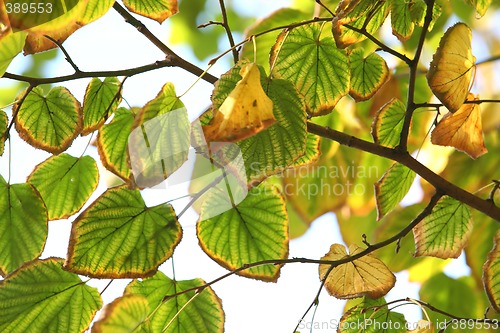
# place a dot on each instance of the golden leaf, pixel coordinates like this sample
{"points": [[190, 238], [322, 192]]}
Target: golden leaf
{"points": [[366, 276], [245, 112], [462, 130], [450, 72], [423, 326]]}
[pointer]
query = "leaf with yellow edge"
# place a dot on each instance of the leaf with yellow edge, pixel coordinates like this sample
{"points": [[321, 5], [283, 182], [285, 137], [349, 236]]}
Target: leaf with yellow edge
{"points": [[3, 128], [366, 276], [368, 74], [11, 44], [480, 5], [123, 315], [451, 69], [445, 232], [245, 112], [158, 10], [491, 274], [49, 122], [462, 130], [95, 9]]}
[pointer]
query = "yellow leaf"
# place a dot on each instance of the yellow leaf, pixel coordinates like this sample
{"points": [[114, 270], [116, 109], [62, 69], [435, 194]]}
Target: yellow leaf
{"points": [[462, 130], [245, 112], [450, 72], [366, 276]]}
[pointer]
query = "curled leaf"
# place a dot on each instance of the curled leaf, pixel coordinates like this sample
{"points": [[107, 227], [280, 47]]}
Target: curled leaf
{"points": [[462, 130], [245, 112], [450, 72]]}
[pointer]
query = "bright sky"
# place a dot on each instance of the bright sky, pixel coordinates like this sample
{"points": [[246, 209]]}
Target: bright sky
{"points": [[250, 306]]}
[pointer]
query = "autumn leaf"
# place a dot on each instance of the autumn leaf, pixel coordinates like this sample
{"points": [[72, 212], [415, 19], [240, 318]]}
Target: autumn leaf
{"points": [[491, 275], [462, 130], [245, 112], [450, 72], [423, 326], [366, 276]]}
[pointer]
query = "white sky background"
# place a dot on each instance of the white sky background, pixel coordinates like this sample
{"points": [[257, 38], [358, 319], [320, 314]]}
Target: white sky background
{"points": [[250, 305]]}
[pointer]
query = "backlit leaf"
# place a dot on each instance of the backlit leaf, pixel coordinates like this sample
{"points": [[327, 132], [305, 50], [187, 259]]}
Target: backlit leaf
{"points": [[158, 10], [112, 143], [65, 183], [160, 143], [480, 5], [99, 102], [245, 112], [491, 274], [366, 276], [11, 44], [3, 129], [319, 70], [418, 10], [445, 232], [392, 188], [119, 236], [41, 297], [95, 9], [202, 312], [364, 13], [368, 74], [451, 69], [265, 42], [423, 326], [462, 130], [401, 20], [255, 229], [371, 315], [272, 150], [49, 122], [123, 315], [388, 123], [23, 225]]}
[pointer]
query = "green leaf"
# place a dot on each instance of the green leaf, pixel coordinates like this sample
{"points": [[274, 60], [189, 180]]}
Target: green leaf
{"points": [[112, 143], [158, 10], [161, 143], [23, 225], [401, 20], [418, 9], [371, 316], [123, 315], [445, 232], [392, 188], [388, 123], [256, 229], [480, 5], [65, 183], [118, 236], [272, 150], [100, 101], [441, 291], [491, 274], [49, 122], [95, 9], [192, 312], [265, 42], [365, 13], [389, 226], [368, 74], [319, 70], [11, 44], [4, 120], [41, 297]]}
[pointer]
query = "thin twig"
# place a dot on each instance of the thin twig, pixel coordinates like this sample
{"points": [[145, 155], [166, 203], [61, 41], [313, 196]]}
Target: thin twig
{"points": [[410, 106], [403, 157], [66, 54], [225, 24]]}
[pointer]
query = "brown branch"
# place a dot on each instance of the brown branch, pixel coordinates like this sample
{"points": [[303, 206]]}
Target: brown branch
{"points": [[403, 157], [34, 81], [173, 58], [410, 106], [229, 34]]}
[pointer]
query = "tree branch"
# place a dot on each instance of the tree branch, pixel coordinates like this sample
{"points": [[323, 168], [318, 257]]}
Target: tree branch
{"points": [[410, 106], [403, 157], [174, 59], [225, 24]]}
